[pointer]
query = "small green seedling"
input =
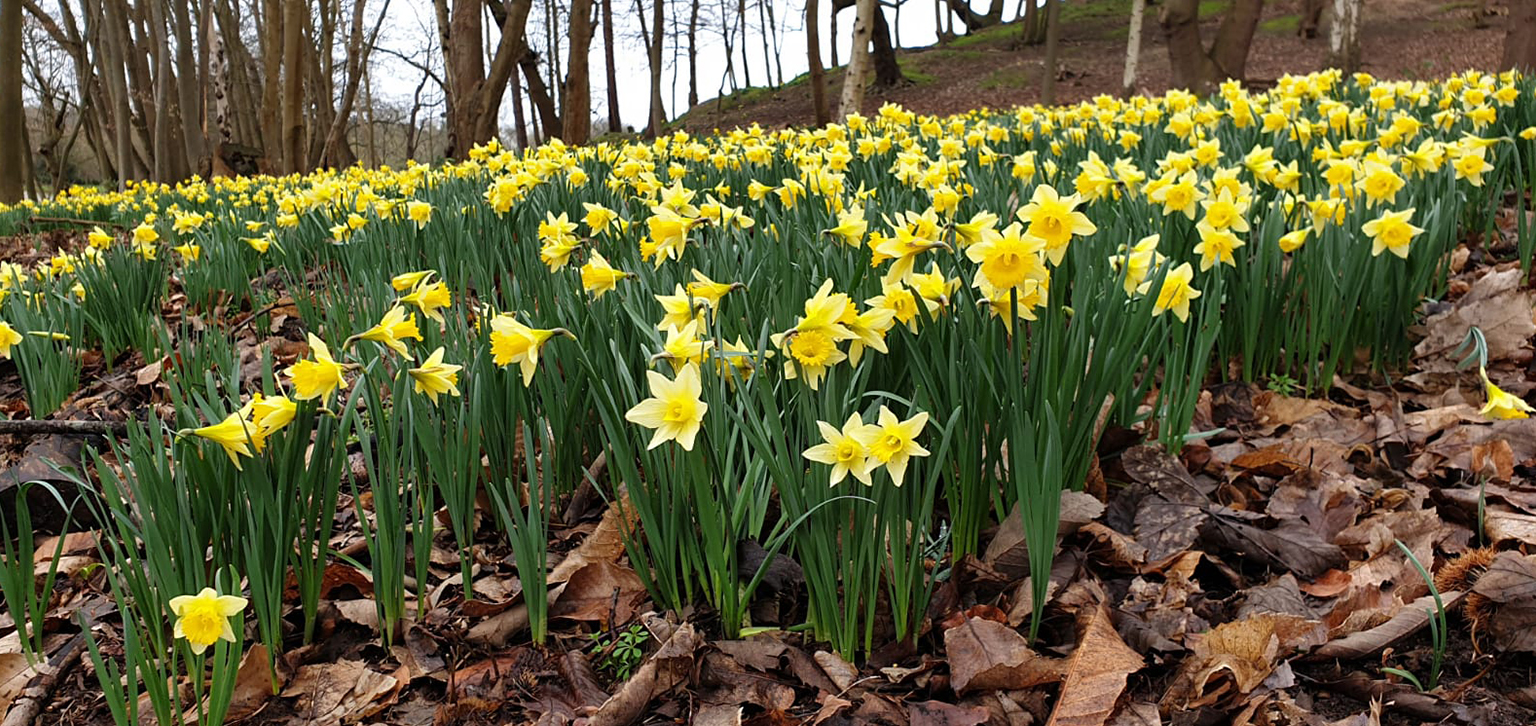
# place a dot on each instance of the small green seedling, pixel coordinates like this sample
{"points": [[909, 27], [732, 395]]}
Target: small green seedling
{"points": [[619, 653], [1438, 630]]}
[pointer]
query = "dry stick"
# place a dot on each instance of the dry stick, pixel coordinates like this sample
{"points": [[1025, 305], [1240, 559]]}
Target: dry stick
{"points": [[72, 220], [1422, 707], [31, 701], [62, 427]]}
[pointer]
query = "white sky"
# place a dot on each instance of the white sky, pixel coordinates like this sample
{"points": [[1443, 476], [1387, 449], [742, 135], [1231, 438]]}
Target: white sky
{"points": [[412, 23]]}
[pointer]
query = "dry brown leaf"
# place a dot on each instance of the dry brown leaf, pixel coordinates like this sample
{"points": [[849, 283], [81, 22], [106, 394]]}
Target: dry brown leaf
{"points": [[1408, 620], [938, 713], [15, 673], [1511, 582], [1501, 526], [1095, 674], [1007, 553], [1138, 714], [668, 667], [604, 544], [1496, 305], [842, 673], [1228, 663], [602, 591], [335, 693], [984, 655], [253, 684]]}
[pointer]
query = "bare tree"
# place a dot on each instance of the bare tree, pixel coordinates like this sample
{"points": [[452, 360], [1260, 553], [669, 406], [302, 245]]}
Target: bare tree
{"points": [[13, 123], [1520, 37], [1344, 36], [813, 50], [1133, 47], [1195, 67], [578, 87], [614, 122], [858, 61], [1052, 51]]}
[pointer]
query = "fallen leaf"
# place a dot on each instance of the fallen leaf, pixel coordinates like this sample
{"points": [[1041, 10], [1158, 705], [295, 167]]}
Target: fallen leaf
{"points": [[669, 666], [1511, 582], [253, 684], [331, 693], [602, 591], [842, 673], [1408, 620], [1228, 663], [1095, 674], [604, 544], [938, 713], [984, 655], [1496, 305], [15, 673], [1138, 713]]}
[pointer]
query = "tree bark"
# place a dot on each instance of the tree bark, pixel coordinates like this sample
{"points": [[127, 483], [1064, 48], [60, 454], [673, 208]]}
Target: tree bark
{"points": [[538, 95], [292, 122], [818, 75], [194, 141], [615, 123], [693, 54], [578, 87], [12, 118], [1196, 69], [858, 60], [887, 68], [464, 59], [973, 20], [1052, 51], [658, 28], [1520, 37], [1344, 36], [1133, 48]]}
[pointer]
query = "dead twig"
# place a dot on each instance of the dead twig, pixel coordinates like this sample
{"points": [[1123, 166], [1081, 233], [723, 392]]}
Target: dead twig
{"points": [[65, 427], [32, 699], [72, 220]]}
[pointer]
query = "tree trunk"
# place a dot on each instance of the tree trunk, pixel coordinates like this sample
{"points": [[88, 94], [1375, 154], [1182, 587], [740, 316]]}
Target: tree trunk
{"points": [[1034, 30], [117, 84], [975, 21], [778, 54], [1052, 51], [12, 118], [658, 28], [818, 76], [464, 61], [578, 88], [162, 155], [1133, 48], [615, 123], [1311, 18], [833, 36], [746, 64], [1520, 38], [193, 140], [358, 52], [1344, 36], [762, 35], [1196, 69], [887, 68], [538, 95], [294, 21], [272, 38], [693, 54], [858, 60], [519, 123]]}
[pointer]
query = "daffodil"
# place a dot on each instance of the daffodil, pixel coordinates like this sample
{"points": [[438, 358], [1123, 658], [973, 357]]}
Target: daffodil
{"points": [[1054, 219], [408, 280], [8, 337], [271, 413], [514, 342], [1391, 232], [98, 239], [1008, 259], [674, 409], [434, 377], [419, 212], [598, 218], [1175, 293], [598, 277], [318, 378], [431, 298], [393, 330], [892, 442], [203, 619], [843, 451], [1216, 246], [1502, 404], [237, 436], [145, 234]]}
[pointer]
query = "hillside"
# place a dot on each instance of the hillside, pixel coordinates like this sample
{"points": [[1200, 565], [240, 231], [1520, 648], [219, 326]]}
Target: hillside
{"points": [[1399, 39]]}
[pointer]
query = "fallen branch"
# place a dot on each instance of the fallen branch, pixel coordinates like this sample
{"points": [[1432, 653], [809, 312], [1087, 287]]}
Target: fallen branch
{"points": [[1417, 706], [72, 220], [64, 427], [29, 704]]}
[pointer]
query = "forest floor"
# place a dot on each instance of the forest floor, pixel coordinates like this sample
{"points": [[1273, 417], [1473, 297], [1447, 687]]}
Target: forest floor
{"points": [[1400, 39]]}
